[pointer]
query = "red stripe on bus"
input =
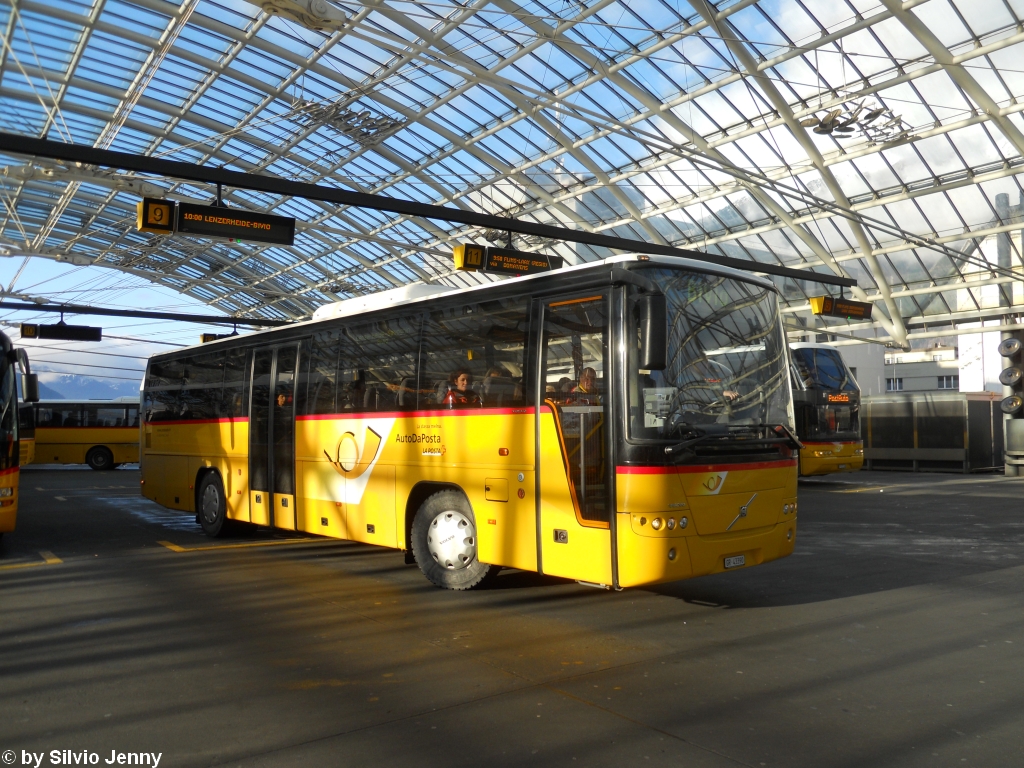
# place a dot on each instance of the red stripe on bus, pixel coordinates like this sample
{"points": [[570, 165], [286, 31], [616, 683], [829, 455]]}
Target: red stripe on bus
{"points": [[9, 471], [45, 426], [180, 421], [633, 470], [417, 414], [831, 442]]}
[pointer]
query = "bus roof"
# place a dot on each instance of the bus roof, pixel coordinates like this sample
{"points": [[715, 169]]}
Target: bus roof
{"points": [[360, 304], [811, 345]]}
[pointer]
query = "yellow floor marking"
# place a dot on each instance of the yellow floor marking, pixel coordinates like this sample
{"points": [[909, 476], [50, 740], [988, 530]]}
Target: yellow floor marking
{"points": [[48, 559], [175, 548]]}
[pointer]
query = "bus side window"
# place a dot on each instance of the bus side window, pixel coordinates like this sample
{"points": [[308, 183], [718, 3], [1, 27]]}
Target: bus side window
{"points": [[233, 401], [203, 381], [487, 342], [386, 353], [71, 418], [322, 382]]}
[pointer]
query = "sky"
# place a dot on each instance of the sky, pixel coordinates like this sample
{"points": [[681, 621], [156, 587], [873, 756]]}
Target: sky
{"points": [[113, 367]]}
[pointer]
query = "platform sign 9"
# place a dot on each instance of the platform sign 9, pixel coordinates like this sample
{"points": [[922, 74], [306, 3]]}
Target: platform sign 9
{"points": [[155, 215]]}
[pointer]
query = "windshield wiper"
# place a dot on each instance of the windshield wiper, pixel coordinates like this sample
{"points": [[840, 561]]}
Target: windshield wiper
{"points": [[703, 433], [782, 429], [708, 431]]}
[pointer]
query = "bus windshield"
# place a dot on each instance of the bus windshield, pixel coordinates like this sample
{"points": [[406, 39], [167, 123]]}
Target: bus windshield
{"points": [[726, 360], [823, 369]]}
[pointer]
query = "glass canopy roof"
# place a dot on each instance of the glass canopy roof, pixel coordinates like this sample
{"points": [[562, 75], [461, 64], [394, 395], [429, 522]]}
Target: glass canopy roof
{"points": [[882, 140]]}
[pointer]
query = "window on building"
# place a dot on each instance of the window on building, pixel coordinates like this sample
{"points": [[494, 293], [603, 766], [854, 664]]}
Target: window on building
{"points": [[949, 382], [894, 385]]}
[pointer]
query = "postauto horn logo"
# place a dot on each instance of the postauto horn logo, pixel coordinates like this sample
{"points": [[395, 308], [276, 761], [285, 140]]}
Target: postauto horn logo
{"points": [[348, 460]]}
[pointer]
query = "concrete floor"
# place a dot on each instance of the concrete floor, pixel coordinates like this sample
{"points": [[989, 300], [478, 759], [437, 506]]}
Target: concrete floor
{"points": [[893, 637]]}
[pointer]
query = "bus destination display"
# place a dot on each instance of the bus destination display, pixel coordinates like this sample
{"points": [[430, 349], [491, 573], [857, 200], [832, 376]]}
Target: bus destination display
{"points": [[830, 306], [503, 261]]}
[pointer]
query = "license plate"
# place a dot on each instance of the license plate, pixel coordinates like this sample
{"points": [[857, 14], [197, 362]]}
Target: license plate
{"points": [[842, 466], [736, 561]]}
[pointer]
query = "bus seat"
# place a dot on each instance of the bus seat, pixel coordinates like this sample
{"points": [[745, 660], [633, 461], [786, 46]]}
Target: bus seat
{"points": [[379, 398], [407, 393], [497, 391]]}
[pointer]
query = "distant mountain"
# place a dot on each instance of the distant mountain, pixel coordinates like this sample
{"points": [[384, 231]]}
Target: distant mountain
{"points": [[71, 387], [48, 393]]}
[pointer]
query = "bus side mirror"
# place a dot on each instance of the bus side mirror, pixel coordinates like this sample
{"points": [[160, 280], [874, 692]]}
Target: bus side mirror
{"points": [[30, 387], [653, 320]]}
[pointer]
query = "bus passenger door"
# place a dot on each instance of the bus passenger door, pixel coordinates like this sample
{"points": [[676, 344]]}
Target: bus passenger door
{"points": [[272, 437], [575, 507]]}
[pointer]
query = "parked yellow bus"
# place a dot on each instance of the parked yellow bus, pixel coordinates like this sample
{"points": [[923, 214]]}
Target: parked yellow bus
{"points": [[26, 433], [101, 433], [10, 448], [624, 422], [827, 401]]}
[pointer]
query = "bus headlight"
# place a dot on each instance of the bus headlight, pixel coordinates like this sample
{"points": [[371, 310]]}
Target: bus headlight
{"points": [[4, 492], [656, 523], [671, 523]]}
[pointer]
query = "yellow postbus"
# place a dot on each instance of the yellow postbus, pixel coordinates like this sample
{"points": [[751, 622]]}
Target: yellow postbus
{"points": [[101, 433], [827, 401], [26, 433], [623, 422], [10, 448]]}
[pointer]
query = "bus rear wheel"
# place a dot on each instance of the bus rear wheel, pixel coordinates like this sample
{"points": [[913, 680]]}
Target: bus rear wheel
{"points": [[100, 458], [212, 506], [444, 543]]}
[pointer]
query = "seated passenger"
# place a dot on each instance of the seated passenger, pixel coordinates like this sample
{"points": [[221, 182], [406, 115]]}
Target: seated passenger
{"points": [[585, 392], [459, 394]]}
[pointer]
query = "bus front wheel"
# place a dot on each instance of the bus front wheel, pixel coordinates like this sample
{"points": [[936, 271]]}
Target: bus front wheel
{"points": [[100, 458], [213, 513], [444, 543]]}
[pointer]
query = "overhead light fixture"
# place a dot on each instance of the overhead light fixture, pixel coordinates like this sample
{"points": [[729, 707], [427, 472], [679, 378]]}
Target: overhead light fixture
{"points": [[858, 118], [360, 125], [317, 15]]}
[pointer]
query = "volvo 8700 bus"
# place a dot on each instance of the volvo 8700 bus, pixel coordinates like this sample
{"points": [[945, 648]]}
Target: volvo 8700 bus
{"points": [[624, 422], [827, 401]]}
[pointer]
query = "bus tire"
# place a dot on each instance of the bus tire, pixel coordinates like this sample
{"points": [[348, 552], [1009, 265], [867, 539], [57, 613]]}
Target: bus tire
{"points": [[444, 543], [100, 458], [211, 505]]}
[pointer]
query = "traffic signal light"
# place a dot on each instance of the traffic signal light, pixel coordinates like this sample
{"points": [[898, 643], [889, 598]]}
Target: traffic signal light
{"points": [[1012, 377]]}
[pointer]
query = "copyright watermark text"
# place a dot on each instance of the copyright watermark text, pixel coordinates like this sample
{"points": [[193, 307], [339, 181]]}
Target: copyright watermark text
{"points": [[83, 757]]}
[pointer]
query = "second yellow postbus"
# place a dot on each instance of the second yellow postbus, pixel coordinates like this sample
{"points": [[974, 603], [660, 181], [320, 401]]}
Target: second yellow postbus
{"points": [[101, 433]]}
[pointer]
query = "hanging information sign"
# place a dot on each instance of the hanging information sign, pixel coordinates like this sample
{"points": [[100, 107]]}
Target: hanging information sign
{"points": [[234, 224]]}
